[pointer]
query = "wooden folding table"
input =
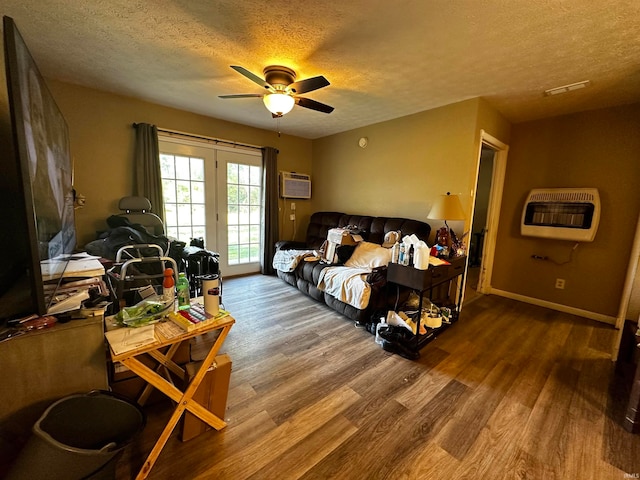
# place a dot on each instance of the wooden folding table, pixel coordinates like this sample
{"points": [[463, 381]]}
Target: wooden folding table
{"points": [[184, 399]]}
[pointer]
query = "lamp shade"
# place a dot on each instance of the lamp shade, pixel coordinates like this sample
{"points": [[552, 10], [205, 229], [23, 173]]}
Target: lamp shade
{"points": [[447, 207], [278, 103]]}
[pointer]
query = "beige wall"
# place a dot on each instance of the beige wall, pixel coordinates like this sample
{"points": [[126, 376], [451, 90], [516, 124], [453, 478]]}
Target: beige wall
{"points": [[408, 162], [601, 149], [102, 145]]}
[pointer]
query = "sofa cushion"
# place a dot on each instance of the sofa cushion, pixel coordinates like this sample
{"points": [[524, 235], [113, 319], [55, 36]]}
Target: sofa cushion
{"points": [[319, 225]]}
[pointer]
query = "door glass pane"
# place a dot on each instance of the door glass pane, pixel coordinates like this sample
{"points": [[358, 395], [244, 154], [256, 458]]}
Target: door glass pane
{"points": [[182, 168], [183, 191], [197, 192], [197, 169], [169, 190], [197, 215], [232, 215], [243, 174]]}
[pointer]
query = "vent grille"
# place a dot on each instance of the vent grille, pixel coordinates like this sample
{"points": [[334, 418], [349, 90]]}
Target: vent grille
{"points": [[295, 185], [563, 197]]}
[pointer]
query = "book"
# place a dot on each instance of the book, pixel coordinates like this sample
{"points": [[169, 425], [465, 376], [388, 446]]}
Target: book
{"points": [[195, 317], [67, 302]]}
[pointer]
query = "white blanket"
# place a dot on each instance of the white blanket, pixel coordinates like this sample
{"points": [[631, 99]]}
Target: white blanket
{"points": [[347, 284], [287, 260]]}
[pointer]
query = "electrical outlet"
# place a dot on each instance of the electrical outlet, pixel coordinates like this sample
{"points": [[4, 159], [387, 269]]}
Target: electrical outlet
{"points": [[292, 216], [293, 206], [560, 283]]}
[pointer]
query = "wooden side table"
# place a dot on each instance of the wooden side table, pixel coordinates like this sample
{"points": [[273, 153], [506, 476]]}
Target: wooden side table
{"points": [[184, 399]]}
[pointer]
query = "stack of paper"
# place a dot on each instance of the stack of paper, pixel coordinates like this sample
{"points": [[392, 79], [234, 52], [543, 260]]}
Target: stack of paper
{"points": [[69, 278], [125, 339]]}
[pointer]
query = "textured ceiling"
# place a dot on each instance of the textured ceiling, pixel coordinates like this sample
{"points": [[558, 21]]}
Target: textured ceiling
{"points": [[384, 59]]}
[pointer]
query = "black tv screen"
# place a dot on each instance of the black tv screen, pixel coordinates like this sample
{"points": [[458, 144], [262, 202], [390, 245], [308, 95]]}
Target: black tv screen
{"points": [[38, 176]]}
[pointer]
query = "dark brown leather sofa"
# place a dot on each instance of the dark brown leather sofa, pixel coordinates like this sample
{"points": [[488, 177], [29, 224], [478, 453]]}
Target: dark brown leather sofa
{"points": [[373, 229]]}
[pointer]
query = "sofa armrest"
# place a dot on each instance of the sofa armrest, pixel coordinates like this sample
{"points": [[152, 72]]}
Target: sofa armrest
{"points": [[290, 245]]}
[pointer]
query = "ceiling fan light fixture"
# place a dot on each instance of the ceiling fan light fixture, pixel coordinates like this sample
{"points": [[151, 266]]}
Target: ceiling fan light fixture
{"points": [[278, 103]]}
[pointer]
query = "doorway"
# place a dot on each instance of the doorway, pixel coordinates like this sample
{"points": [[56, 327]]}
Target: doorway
{"points": [[492, 159], [479, 222]]}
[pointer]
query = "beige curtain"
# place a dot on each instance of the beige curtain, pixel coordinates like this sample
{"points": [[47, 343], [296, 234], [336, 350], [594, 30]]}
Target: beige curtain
{"points": [[270, 202], [148, 181]]}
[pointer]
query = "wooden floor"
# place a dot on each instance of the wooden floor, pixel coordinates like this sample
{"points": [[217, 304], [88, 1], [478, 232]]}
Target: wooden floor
{"points": [[511, 391]]}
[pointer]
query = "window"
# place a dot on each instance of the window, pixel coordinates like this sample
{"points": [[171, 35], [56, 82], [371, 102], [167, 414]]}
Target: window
{"points": [[183, 188], [243, 213]]}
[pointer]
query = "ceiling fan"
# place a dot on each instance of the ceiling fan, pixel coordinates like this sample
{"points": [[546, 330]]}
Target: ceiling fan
{"points": [[282, 89]]}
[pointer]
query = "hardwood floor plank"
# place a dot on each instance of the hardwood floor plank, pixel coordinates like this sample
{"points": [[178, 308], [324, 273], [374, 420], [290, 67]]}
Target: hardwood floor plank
{"points": [[544, 437], [302, 456], [395, 429], [251, 458], [493, 455], [469, 420], [351, 460], [528, 467], [431, 462]]}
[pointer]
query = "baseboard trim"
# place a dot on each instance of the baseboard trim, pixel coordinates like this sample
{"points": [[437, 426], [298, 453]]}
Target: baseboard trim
{"points": [[556, 306]]}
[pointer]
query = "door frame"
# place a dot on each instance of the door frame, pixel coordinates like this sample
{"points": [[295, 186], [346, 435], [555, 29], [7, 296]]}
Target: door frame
{"points": [[493, 211]]}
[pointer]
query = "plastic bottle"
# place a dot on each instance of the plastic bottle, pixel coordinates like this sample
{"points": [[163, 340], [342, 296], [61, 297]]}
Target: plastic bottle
{"points": [[383, 323], [168, 285], [395, 253], [184, 299], [401, 254]]}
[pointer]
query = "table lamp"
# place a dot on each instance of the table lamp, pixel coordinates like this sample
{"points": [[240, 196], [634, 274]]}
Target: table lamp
{"points": [[446, 207]]}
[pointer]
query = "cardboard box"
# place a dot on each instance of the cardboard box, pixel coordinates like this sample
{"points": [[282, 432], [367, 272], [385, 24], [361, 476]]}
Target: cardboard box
{"points": [[342, 236], [211, 394], [337, 237]]}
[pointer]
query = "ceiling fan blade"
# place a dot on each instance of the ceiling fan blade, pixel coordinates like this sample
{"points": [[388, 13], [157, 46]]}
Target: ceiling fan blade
{"points": [[242, 95], [253, 77], [313, 105], [308, 85]]}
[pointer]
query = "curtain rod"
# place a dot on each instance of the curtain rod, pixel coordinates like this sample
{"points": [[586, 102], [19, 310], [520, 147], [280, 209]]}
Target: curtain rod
{"points": [[208, 139]]}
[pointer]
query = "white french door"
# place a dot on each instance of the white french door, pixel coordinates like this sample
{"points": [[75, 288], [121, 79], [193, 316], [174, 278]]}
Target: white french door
{"points": [[215, 193], [240, 210]]}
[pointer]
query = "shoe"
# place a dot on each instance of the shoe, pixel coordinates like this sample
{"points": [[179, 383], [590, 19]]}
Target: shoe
{"points": [[400, 349], [396, 334]]}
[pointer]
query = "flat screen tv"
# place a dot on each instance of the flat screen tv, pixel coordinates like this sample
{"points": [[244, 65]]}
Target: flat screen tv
{"points": [[37, 197]]}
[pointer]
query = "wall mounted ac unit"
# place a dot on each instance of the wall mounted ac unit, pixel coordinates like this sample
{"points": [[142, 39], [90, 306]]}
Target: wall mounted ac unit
{"points": [[295, 185], [562, 214]]}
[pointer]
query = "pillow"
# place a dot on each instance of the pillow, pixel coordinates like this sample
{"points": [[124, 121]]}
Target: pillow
{"points": [[369, 255]]}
